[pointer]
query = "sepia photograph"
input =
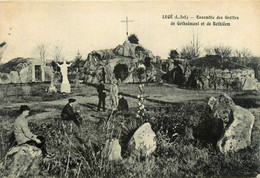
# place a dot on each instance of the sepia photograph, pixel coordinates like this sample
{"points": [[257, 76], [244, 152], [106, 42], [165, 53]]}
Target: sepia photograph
{"points": [[130, 89]]}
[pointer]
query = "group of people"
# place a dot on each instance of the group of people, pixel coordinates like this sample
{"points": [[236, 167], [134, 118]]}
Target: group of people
{"points": [[118, 102], [23, 135]]}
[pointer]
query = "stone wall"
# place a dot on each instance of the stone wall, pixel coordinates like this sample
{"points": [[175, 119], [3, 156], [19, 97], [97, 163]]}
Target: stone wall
{"points": [[235, 79]]}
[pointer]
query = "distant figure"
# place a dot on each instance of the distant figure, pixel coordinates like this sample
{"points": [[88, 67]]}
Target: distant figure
{"points": [[103, 75], [22, 133], [114, 95], [122, 104], [101, 96], [68, 113]]}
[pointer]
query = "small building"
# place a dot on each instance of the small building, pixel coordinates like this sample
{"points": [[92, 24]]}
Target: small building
{"points": [[24, 70]]}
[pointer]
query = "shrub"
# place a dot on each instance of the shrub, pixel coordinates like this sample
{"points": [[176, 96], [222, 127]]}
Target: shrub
{"points": [[133, 39]]}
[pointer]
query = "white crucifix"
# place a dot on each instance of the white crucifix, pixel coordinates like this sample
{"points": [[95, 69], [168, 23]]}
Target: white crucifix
{"points": [[126, 22], [65, 85]]}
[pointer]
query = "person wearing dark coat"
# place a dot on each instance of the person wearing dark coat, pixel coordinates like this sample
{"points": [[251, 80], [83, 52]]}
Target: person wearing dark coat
{"points": [[122, 104], [101, 96], [68, 113]]}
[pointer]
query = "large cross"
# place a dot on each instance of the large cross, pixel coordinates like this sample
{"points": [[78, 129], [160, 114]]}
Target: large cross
{"points": [[126, 21]]}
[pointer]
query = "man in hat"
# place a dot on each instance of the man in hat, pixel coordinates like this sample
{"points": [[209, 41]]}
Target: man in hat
{"points": [[22, 133], [68, 113], [101, 96]]}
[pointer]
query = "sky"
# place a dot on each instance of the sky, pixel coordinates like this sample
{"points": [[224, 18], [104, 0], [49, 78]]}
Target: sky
{"points": [[87, 26]]}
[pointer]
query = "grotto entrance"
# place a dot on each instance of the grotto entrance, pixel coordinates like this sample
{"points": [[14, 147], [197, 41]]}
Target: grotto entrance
{"points": [[121, 71]]}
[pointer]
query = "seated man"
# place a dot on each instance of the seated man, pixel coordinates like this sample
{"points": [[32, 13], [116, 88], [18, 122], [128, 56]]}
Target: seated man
{"points": [[122, 104], [23, 135], [68, 113]]}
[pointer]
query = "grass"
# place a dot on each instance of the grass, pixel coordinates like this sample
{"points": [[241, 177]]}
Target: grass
{"points": [[179, 153]]}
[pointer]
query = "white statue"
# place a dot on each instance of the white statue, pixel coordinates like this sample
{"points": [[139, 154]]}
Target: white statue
{"points": [[65, 85], [64, 71]]}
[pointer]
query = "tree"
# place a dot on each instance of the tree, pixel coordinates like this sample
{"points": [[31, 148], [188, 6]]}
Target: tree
{"points": [[78, 59], [173, 54], [57, 52], [42, 50], [223, 51], [209, 51], [243, 55], [192, 50], [133, 39]]}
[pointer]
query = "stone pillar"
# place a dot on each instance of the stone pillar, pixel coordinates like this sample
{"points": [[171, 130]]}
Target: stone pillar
{"points": [[43, 73], [33, 72]]}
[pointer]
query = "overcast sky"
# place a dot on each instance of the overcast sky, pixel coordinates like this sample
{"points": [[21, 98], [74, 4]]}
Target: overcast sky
{"points": [[87, 26]]}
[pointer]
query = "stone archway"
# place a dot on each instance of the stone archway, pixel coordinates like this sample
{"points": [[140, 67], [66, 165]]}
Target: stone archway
{"points": [[121, 71]]}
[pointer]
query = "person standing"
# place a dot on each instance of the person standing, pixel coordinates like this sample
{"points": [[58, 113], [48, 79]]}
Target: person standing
{"points": [[101, 96], [114, 95], [22, 133]]}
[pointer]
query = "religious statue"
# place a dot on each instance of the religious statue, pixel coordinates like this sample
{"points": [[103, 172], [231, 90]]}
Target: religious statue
{"points": [[65, 85], [52, 87]]}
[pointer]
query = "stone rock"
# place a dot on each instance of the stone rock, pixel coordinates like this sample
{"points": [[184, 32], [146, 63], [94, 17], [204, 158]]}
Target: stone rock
{"points": [[238, 135], [129, 79], [14, 77], [112, 150], [237, 123], [22, 161], [52, 89], [143, 141], [26, 74], [250, 84], [4, 78], [221, 107]]}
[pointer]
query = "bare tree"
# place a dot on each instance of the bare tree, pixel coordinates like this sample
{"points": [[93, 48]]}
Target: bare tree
{"points": [[57, 52], [192, 50], [209, 51], [223, 51], [243, 55], [42, 51]]}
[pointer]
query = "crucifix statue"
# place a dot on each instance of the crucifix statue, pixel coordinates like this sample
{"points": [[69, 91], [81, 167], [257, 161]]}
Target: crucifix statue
{"points": [[65, 85], [126, 21]]}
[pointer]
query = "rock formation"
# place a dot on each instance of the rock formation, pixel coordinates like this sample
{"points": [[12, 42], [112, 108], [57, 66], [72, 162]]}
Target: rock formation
{"points": [[237, 122], [143, 142], [22, 161], [112, 150]]}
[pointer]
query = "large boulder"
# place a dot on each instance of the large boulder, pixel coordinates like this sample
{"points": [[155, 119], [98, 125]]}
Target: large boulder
{"points": [[112, 150], [143, 142], [251, 84], [14, 77], [4, 78], [237, 123], [22, 161], [238, 135], [26, 74]]}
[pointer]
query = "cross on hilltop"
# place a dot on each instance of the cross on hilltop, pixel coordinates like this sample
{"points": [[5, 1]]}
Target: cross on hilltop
{"points": [[126, 21]]}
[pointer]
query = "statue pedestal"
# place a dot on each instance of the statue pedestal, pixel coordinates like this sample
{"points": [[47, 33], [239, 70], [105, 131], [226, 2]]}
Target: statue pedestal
{"points": [[65, 88], [52, 89]]}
